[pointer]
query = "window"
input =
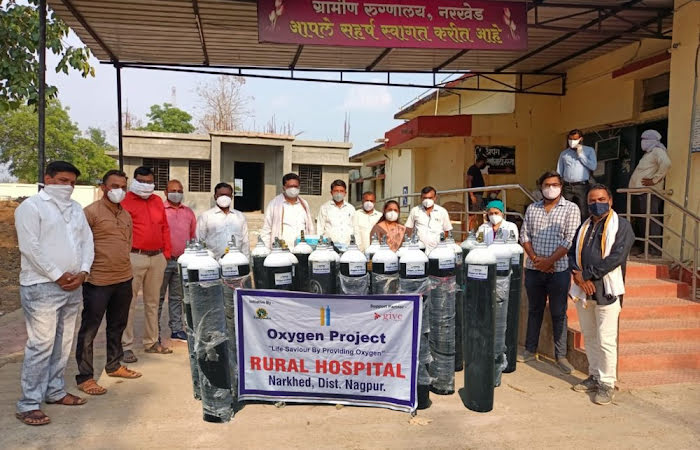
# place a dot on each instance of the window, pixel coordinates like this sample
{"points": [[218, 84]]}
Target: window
{"points": [[310, 180], [161, 170], [656, 92], [200, 176]]}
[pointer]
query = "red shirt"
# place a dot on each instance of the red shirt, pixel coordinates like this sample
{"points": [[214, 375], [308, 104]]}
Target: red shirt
{"points": [[183, 225], [151, 230]]}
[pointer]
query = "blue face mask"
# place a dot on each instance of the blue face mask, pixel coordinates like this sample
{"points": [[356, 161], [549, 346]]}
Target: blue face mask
{"points": [[598, 209]]}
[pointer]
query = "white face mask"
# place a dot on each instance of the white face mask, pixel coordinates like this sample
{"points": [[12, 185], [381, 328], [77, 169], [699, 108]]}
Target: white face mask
{"points": [[116, 195], [175, 197], [392, 216], [648, 145], [550, 193], [495, 219], [368, 206], [338, 197], [428, 203], [59, 192], [143, 190], [573, 143], [224, 201], [292, 192]]}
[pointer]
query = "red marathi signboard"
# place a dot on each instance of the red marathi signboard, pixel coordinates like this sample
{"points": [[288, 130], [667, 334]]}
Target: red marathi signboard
{"points": [[484, 25]]}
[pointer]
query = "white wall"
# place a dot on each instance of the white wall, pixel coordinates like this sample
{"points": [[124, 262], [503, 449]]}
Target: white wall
{"points": [[82, 194]]}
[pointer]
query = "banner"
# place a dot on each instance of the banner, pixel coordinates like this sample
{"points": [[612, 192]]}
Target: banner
{"points": [[446, 24], [351, 350], [500, 158]]}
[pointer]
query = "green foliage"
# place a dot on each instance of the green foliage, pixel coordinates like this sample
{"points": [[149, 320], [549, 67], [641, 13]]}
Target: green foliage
{"points": [[19, 60], [168, 119], [19, 136]]}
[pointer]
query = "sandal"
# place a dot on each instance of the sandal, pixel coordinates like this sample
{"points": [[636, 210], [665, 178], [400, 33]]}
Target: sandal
{"points": [[124, 372], [34, 418], [68, 400], [157, 348], [91, 387]]}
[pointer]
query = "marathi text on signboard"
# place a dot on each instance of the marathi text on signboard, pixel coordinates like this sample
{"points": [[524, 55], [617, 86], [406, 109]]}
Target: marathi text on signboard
{"points": [[479, 24], [500, 159], [300, 347]]}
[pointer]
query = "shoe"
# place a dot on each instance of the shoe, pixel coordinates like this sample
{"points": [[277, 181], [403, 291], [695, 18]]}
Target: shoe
{"points": [[124, 372], [129, 357], [564, 365], [157, 348], [179, 336], [604, 394], [590, 384], [526, 356]]}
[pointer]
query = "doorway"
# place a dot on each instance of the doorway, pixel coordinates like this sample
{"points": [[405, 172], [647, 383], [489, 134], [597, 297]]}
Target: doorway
{"points": [[249, 186]]}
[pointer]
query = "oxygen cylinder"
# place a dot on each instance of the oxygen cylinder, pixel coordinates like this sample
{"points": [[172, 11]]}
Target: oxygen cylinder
{"points": [[516, 280], [259, 253], [441, 268], [502, 253], [413, 279], [278, 269], [385, 270], [234, 263], [373, 248], [211, 340], [479, 329], [459, 301], [302, 251], [354, 279], [295, 265], [404, 245], [323, 269], [182, 263]]}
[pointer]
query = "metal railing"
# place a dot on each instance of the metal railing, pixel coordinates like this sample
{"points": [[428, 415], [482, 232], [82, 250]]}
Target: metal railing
{"points": [[688, 247]]}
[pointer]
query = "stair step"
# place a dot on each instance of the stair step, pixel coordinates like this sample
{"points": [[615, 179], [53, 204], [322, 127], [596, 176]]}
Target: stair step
{"points": [[656, 288], [651, 309], [648, 330], [659, 348], [658, 361], [636, 270], [658, 377]]}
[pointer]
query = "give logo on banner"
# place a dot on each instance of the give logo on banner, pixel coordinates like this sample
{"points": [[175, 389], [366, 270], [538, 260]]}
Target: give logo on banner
{"points": [[328, 349]]}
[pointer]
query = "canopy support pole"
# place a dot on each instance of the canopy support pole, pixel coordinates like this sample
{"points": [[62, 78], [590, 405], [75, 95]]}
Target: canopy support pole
{"points": [[41, 101]]}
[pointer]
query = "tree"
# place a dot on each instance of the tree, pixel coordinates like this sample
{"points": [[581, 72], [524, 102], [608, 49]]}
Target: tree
{"points": [[18, 143], [169, 119], [224, 104], [19, 39]]}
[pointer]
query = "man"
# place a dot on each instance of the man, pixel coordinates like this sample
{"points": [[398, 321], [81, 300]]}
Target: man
{"points": [[364, 219], [150, 251], [108, 288], [650, 172], [335, 216], [598, 259], [182, 224], [547, 233], [475, 179], [216, 226], [287, 214], [576, 164], [428, 219], [56, 249]]}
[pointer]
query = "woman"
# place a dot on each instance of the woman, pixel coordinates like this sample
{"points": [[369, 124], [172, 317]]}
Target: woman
{"points": [[495, 211], [389, 226]]}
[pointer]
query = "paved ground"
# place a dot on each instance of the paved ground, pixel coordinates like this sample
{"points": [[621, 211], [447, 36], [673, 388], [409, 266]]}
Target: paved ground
{"points": [[534, 408]]}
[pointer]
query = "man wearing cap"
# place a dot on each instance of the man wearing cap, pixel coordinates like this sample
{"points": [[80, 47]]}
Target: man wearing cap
{"points": [[495, 210]]}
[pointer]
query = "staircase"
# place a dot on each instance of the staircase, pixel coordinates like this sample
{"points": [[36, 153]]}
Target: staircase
{"points": [[255, 224], [659, 337]]}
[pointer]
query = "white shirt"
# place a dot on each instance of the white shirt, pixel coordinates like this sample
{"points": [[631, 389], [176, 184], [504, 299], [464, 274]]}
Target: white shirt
{"points": [[654, 165], [487, 229], [362, 224], [52, 242], [293, 222], [215, 228], [429, 226], [336, 222]]}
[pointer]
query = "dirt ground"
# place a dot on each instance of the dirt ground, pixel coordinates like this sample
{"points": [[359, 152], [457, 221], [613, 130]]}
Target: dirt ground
{"points": [[9, 259]]}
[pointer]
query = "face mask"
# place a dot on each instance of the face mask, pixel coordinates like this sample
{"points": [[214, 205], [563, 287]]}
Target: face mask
{"points": [[338, 197], [495, 218], [116, 195], [224, 201], [175, 197], [143, 190], [368, 206], [648, 145], [392, 216], [292, 192], [573, 143], [59, 192], [550, 193], [598, 209], [428, 203]]}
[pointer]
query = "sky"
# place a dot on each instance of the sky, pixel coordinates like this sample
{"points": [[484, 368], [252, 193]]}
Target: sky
{"points": [[316, 110]]}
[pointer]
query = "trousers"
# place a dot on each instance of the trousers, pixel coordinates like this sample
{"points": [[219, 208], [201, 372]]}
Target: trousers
{"points": [[50, 315], [540, 287], [599, 325], [578, 194], [113, 300], [171, 285], [148, 274]]}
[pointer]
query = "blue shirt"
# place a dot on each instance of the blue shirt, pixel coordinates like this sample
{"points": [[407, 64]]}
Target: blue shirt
{"points": [[575, 167]]}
